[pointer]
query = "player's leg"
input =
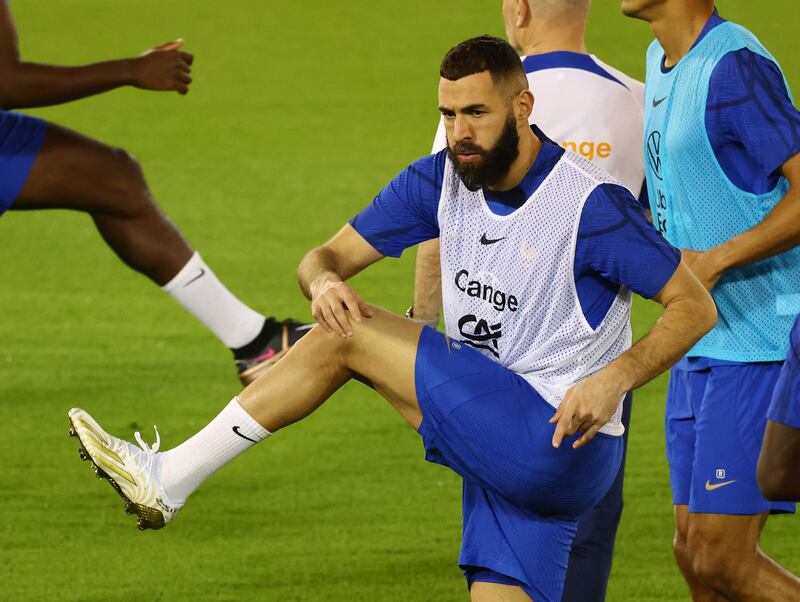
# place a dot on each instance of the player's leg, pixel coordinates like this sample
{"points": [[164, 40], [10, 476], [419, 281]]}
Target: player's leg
{"points": [[726, 508], [779, 462], [72, 171], [726, 557], [593, 547], [497, 592], [700, 592], [382, 352]]}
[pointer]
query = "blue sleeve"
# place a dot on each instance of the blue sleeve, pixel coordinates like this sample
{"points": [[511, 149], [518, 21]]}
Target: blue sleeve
{"points": [[405, 212], [616, 241], [752, 124]]}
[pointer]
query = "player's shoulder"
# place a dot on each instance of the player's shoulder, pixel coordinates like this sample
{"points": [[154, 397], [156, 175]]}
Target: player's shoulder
{"points": [[589, 169], [627, 80], [634, 86]]}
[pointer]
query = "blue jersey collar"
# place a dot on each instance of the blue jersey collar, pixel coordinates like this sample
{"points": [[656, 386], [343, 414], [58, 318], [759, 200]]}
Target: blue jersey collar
{"points": [[564, 59]]}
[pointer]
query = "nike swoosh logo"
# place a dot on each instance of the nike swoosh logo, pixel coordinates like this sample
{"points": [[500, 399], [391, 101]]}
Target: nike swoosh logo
{"points": [[235, 429], [490, 241], [199, 275], [710, 487], [658, 102]]}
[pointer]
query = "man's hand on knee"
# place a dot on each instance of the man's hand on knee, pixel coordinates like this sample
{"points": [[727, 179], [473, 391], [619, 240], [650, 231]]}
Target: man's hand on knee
{"points": [[334, 304]]}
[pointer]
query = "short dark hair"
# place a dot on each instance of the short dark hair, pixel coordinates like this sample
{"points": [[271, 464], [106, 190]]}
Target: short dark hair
{"points": [[484, 53]]}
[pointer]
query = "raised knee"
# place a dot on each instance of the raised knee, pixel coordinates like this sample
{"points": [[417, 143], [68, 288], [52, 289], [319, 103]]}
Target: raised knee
{"points": [[128, 183]]}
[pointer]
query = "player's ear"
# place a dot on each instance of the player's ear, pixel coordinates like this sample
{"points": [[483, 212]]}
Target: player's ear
{"points": [[523, 105], [522, 13]]}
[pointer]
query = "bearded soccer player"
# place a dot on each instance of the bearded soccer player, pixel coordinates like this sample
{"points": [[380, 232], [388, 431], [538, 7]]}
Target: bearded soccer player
{"points": [[45, 166], [595, 110], [779, 462], [529, 416], [721, 144]]}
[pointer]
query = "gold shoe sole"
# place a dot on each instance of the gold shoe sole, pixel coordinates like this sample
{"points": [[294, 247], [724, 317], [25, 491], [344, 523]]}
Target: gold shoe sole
{"points": [[148, 518]]}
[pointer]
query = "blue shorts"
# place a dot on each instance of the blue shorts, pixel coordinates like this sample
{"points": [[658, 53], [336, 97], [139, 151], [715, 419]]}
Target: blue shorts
{"points": [[715, 422], [785, 405], [21, 138], [522, 497]]}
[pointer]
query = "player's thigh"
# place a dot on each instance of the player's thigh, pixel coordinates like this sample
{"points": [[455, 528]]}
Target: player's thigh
{"points": [[497, 592], [383, 353], [733, 536], [73, 171]]}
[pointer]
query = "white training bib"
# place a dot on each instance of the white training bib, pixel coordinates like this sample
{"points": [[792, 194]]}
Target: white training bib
{"points": [[508, 284]]}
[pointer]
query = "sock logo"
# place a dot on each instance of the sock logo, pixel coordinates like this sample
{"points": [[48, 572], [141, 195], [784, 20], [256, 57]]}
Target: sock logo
{"points": [[199, 275], [235, 429]]}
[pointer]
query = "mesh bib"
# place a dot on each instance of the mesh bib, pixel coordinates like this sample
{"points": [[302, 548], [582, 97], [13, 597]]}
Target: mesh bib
{"points": [[509, 288], [697, 207]]}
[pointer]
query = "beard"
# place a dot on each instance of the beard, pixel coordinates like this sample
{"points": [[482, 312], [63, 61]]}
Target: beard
{"points": [[493, 164]]}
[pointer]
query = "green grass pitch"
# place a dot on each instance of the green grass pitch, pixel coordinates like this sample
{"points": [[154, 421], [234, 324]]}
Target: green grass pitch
{"points": [[299, 113]]}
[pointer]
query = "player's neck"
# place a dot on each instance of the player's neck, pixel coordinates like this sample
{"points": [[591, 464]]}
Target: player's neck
{"points": [[547, 37], [529, 147], [678, 27]]}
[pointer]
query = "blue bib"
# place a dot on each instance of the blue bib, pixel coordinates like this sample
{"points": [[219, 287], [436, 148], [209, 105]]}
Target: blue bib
{"points": [[695, 205]]}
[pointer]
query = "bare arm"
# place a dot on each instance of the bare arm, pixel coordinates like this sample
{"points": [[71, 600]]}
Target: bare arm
{"points": [[689, 313], [33, 85], [428, 283], [322, 274], [778, 232]]}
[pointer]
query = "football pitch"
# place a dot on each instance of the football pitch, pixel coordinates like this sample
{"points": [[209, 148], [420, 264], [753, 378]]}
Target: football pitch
{"points": [[299, 113]]}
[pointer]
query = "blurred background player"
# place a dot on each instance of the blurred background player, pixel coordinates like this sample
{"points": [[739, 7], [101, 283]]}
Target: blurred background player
{"points": [[596, 111], [779, 462], [45, 166], [485, 406], [721, 144]]}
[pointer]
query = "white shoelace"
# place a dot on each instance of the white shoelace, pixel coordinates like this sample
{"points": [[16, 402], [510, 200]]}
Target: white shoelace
{"points": [[148, 449]]}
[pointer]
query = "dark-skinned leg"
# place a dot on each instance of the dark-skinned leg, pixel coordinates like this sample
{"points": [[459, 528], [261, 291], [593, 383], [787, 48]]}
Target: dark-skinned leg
{"points": [[726, 557], [73, 171], [779, 462]]}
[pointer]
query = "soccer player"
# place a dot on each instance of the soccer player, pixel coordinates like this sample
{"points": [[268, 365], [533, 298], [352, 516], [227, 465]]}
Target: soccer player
{"points": [[519, 355], [723, 170], [779, 462], [594, 110], [45, 166]]}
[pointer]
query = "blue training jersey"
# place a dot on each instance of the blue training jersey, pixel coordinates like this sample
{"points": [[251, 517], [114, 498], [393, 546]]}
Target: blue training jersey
{"points": [[616, 244]]}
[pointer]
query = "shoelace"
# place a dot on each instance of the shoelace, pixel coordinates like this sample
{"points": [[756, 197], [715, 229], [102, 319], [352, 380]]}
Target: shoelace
{"points": [[148, 449]]}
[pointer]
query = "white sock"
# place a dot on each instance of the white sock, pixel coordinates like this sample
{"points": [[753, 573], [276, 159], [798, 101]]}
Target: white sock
{"points": [[199, 290], [185, 467]]}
